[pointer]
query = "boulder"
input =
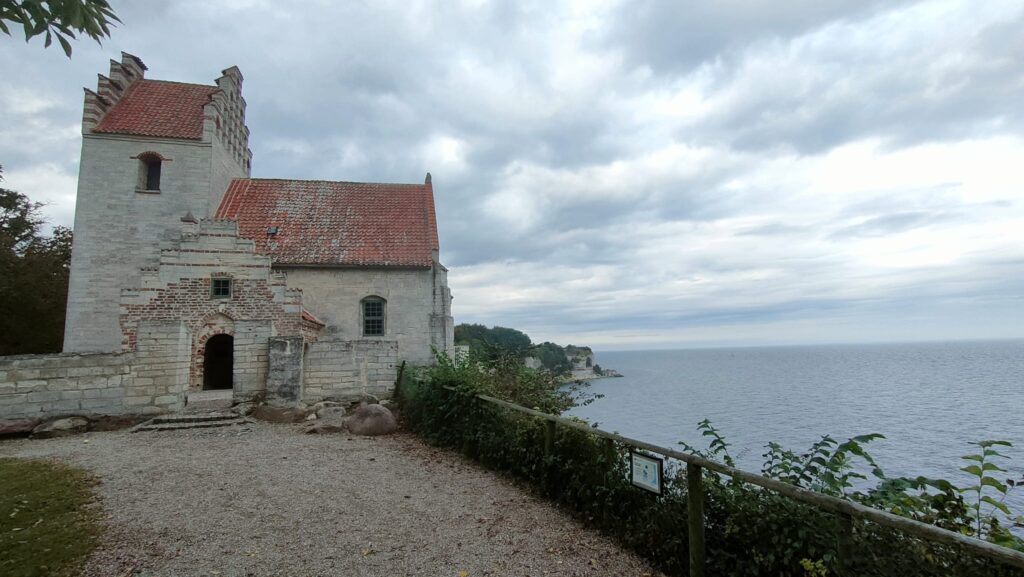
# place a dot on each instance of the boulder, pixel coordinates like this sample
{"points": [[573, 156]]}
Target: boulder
{"points": [[61, 428], [332, 413], [17, 426], [371, 420], [330, 418], [280, 414]]}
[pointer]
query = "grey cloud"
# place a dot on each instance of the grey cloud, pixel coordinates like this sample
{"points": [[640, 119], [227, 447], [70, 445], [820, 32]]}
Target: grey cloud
{"points": [[676, 37], [893, 223], [902, 98]]}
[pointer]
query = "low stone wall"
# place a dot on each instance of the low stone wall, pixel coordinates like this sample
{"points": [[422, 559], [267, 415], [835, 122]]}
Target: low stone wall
{"points": [[149, 381], [33, 386], [348, 369], [155, 377]]}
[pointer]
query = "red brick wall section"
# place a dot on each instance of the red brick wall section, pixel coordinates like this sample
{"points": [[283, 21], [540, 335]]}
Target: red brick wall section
{"points": [[189, 300]]}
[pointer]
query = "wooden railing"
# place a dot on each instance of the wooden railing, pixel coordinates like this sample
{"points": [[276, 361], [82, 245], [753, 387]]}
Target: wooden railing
{"points": [[847, 510]]}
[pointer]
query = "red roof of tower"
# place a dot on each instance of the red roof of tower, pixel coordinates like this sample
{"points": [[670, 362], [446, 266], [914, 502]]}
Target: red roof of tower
{"points": [[335, 223], [159, 108]]}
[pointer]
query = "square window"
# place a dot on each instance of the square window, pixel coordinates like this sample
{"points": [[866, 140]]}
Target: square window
{"points": [[220, 288]]}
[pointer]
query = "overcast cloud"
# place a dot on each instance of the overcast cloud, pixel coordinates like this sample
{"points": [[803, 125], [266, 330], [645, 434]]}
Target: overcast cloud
{"points": [[625, 174]]}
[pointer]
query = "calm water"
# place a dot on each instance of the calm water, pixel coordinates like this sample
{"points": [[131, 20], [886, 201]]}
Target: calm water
{"points": [[929, 400]]}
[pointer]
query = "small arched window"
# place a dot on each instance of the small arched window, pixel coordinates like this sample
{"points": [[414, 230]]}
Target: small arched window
{"points": [[149, 171], [374, 316]]}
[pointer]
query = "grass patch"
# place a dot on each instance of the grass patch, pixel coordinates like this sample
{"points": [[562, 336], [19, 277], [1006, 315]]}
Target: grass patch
{"points": [[47, 525]]}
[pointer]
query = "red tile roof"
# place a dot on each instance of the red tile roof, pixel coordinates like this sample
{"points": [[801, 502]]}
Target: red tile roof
{"points": [[335, 223], [159, 108]]}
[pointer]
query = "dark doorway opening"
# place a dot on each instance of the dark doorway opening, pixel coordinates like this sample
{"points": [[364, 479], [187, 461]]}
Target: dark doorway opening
{"points": [[218, 361]]}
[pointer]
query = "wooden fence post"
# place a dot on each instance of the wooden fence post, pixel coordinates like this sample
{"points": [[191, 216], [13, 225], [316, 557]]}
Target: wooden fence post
{"points": [[695, 506], [549, 437], [845, 544]]}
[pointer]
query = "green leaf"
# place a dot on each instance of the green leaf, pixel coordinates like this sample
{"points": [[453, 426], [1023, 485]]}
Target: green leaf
{"points": [[65, 45], [992, 467], [977, 458], [990, 482], [972, 470], [994, 443], [996, 504]]}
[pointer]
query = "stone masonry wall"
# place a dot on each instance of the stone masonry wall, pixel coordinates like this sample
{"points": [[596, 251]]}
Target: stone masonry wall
{"points": [[284, 380], [148, 381], [119, 231], [334, 296], [347, 369], [33, 386]]}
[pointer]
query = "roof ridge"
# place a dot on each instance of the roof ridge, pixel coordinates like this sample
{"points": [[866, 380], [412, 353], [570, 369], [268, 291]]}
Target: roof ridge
{"points": [[158, 81], [420, 185]]}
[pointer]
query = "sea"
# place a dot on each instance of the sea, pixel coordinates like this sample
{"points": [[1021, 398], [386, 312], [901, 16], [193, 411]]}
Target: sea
{"points": [[929, 400]]}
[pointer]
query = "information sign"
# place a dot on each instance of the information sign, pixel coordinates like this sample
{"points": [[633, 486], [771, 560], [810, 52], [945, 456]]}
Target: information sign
{"points": [[646, 471]]}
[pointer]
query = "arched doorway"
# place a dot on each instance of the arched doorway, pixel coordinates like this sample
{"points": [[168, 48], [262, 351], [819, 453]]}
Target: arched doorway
{"points": [[218, 361]]}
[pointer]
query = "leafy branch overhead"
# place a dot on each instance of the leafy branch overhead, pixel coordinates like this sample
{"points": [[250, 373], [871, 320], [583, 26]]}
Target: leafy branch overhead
{"points": [[60, 19]]}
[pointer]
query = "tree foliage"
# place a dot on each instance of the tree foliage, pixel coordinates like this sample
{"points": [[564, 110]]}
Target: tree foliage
{"points": [[59, 19], [552, 357], [33, 278], [491, 340]]}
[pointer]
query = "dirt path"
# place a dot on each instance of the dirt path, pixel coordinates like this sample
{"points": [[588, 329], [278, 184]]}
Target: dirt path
{"points": [[267, 500]]}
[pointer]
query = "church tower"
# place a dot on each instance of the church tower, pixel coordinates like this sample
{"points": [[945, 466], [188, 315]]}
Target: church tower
{"points": [[156, 156]]}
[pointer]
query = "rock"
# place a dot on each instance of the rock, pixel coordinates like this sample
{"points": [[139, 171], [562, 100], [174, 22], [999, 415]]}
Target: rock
{"points": [[311, 417], [61, 428], [322, 404], [321, 428], [332, 413], [371, 420], [280, 414], [17, 426], [115, 422], [245, 409], [369, 399]]}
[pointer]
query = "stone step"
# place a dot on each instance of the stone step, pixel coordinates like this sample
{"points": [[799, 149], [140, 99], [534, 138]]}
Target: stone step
{"points": [[179, 422], [208, 401]]}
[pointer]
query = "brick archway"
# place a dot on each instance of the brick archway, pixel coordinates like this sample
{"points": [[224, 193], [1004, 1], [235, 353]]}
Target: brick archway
{"points": [[213, 324]]}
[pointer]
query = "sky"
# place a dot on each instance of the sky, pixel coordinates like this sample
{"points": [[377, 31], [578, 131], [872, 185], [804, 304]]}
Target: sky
{"points": [[625, 175]]}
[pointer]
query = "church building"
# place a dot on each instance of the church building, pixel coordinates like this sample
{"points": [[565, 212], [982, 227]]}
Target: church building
{"points": [[288, 289]]}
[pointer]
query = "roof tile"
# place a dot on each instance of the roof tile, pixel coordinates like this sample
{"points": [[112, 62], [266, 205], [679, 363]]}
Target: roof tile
{"points": [[159, 108], [335, 223]]}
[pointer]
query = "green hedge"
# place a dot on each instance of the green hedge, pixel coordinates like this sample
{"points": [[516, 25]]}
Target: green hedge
{"points": [[749, 531]]}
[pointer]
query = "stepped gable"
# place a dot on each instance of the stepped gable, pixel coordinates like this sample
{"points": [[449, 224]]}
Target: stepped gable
{"points": [[159, 108], [324, 223]]}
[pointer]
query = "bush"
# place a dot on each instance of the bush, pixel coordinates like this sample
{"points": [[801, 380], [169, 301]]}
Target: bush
{"points": [[749, 531]]}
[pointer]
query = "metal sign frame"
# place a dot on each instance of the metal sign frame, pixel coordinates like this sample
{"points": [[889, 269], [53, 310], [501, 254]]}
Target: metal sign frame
{"points": [[643, 462]]}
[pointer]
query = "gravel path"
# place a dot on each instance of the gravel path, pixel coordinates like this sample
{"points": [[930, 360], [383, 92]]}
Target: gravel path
{"points": [[267, 500]]}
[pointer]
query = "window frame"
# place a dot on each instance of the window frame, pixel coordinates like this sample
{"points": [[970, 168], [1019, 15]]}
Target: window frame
{"points": [[213, 288], [149, 163], [382, 317]]}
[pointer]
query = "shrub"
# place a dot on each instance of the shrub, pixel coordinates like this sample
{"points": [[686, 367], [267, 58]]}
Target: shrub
{"points": [[748, 531]]}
